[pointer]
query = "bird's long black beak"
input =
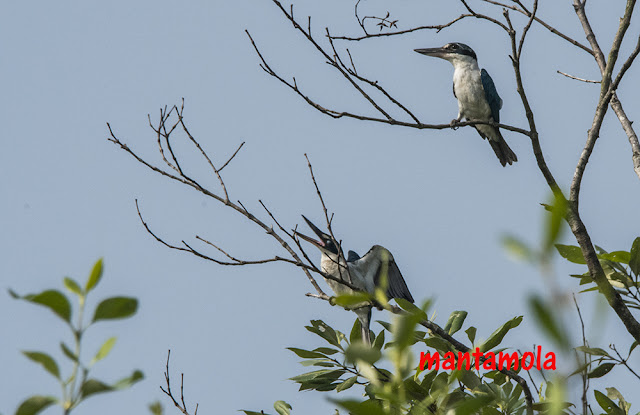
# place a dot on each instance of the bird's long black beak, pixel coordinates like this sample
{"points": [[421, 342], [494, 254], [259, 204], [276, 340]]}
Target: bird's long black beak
{"points": [[321, 235], [436, 52]]}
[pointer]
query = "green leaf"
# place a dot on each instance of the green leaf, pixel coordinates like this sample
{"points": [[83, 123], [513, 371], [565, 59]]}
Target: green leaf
{"points": [[35, 404], [379, 341], [607, 404], [633, 346], [104, 350], [616, 256], [282, 408], [470, 379], [52, 299], [404, 328], [115, 308], [496, 337], [347, 384], [128, 381], [310, 375], [601, 370], [321, 380], [548, 322], [360, 351], [324, 362], [554, 222], [571, 253], [384, 324], [517, 249], [412, 309], [595, 351], [580, 369], [71, 285], [305, 354], [67, 352], [325, 331], [471, 334], [473, 404], [155, 408], [94, 276], [325, 350], [93, 386], [613, 393], [439, 344], [351, 300], [456, 319], [47, 362], [360, 408], [253, 412], [356, 331], [634, 257]]}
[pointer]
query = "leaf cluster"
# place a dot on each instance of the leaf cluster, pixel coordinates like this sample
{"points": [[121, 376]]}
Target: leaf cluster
{"points": [[390, 381], [77, 386], [622, 269]]}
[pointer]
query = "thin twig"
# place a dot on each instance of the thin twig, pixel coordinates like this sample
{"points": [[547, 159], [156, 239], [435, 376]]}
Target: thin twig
{"points": [[231, 158], [589, 81], [624, 361], [584, 375], [437, 28], [240, 208], [183, 407]]}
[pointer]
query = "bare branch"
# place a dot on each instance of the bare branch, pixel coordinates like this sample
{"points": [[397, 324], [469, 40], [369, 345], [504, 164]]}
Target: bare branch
{"points": [[374, 84], [183, 407], [533, 134], [204, 154], [532, 16], [628, 129], [578, 6], [437, 28], [237, 207], [339, 114], [624, 361], [578, 79], [231, 158], [484, 17], [523, 10], [626, 65]]}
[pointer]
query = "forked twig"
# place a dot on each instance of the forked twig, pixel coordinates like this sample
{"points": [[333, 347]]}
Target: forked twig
{"points": [[182, 407]]}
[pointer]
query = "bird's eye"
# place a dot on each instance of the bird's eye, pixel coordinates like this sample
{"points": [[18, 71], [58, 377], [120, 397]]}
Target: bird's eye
{"points": [[454, 46]]}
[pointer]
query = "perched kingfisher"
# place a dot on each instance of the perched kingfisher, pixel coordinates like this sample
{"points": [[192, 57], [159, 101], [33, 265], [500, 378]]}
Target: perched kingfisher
{"points": [[363, 273], [478, 99]]}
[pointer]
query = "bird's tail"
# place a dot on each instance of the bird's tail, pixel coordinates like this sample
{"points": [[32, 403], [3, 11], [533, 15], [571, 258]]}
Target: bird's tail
{"points": [[364, 315], [502, 150]]}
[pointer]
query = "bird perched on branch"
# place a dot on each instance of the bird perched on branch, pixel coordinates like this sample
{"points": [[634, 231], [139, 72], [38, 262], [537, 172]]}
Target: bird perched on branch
{"points": [[478, 99], [363, 273]]}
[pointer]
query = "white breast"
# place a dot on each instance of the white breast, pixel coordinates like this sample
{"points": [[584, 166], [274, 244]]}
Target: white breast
{"points": [[469, 91]]}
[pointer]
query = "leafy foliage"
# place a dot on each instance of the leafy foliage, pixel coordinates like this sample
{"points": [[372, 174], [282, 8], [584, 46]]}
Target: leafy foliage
{"points": [[77, 386], [387, 376], [622, 269]]}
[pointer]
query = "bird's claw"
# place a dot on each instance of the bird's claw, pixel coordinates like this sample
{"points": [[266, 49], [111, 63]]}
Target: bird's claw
{"points": [[454, 124]]}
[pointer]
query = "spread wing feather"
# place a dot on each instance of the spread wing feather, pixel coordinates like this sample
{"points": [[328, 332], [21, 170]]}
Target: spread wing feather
{"points": [[397, 287]]}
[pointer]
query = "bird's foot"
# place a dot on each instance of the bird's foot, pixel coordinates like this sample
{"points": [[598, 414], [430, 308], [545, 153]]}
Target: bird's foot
{"points": [[454, 124]]}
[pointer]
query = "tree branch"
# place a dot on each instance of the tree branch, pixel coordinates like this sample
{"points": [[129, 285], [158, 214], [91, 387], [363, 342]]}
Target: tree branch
{"points": [[182, 407]]}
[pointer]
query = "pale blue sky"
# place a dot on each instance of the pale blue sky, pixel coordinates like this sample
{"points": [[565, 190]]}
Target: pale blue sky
{"points": [[439, 200]]}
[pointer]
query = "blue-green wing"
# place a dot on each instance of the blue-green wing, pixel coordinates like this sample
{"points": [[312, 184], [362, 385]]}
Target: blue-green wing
{"points": [[491, 94], [352, 256]]}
